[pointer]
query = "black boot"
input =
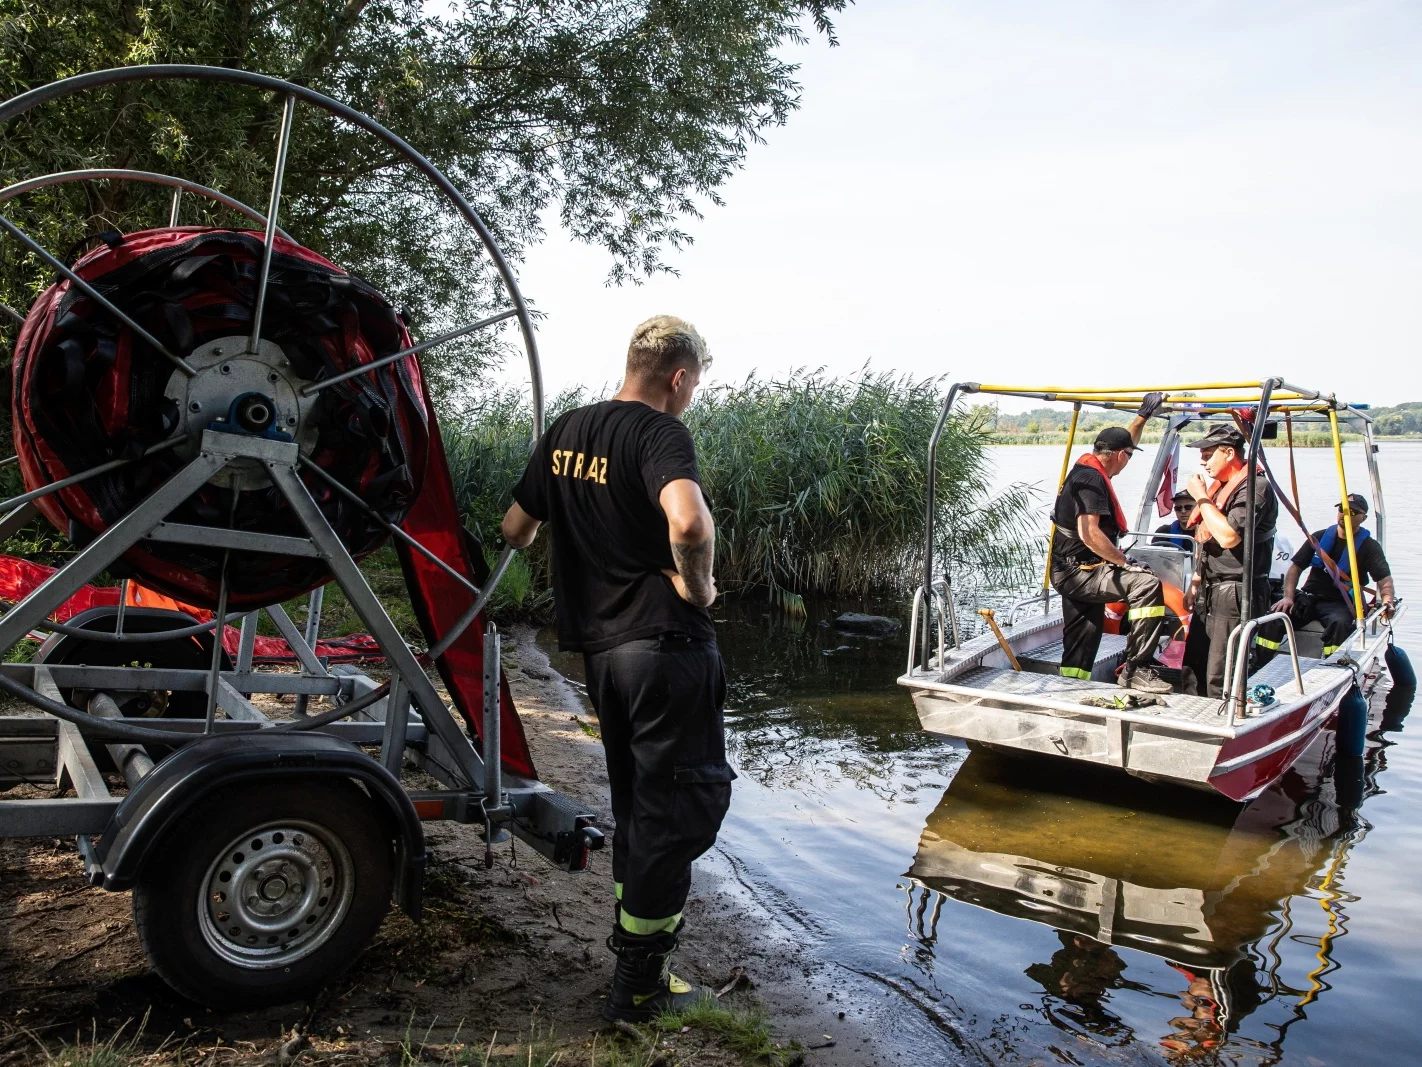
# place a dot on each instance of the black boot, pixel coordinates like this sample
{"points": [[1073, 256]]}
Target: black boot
{"points": [[642, 985]]}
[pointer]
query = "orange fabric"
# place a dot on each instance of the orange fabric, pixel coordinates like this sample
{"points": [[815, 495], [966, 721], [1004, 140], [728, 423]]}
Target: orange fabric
{"points": [[1219, 492], [1095, 464]]}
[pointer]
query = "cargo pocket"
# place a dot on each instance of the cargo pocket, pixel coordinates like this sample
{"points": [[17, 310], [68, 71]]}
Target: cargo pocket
{"points": [[703, 796]]}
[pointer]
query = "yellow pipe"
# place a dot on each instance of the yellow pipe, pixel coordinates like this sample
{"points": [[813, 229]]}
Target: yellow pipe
{"points": [[1061, 480], [1122, 398], [1209, 386], [1347, 521]]}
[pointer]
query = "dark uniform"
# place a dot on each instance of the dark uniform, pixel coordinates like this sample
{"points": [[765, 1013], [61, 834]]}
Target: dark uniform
{"points": [[1219, 604], [654, 672], [1319, 598], [1087, 583]]}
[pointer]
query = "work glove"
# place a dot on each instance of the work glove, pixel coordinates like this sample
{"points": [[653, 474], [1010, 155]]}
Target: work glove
{"points": [[1150, 404], [1137, 565]]}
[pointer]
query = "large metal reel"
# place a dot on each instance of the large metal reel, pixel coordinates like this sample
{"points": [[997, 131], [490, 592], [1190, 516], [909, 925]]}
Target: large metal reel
{"points": [[290, 94]]}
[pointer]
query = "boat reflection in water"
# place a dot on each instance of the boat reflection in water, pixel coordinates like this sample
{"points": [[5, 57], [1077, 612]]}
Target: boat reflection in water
{"points": [[1111, 864]]}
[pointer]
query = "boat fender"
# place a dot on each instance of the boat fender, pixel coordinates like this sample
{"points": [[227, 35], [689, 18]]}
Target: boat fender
{"points": [[1400, 667], [1352, 723]]}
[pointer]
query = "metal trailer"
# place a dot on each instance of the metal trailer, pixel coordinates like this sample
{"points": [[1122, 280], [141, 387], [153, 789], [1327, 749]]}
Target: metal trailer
{"points": [[262, 853]]}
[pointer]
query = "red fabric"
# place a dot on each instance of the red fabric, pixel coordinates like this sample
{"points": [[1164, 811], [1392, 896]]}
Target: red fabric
{"points": [[1095, 464], [439, 602], [20, 577]]}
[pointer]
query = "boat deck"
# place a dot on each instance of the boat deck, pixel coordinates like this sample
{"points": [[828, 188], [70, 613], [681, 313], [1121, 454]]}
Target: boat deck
{"points": [[1201, 710]]}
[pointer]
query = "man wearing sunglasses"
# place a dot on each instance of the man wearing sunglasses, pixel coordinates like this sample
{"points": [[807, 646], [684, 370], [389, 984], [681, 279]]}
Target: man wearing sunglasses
{"points": [[1321, 597], [1174, 534]]}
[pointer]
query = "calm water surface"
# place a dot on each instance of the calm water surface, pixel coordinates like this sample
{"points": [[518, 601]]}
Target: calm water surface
{"points": [[974, 909]]}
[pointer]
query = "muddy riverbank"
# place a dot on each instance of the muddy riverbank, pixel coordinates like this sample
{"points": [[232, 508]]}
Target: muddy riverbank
{"points": [[504, 953]]}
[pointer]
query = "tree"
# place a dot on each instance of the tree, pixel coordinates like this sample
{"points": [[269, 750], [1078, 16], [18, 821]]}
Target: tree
{"points": [[623, 117]]}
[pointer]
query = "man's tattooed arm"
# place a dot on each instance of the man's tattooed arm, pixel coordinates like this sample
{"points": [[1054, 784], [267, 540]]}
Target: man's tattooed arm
{"points": [[697, 584]]}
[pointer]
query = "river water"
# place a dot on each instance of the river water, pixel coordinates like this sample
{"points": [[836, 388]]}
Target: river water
{"points": [[979, 909]]}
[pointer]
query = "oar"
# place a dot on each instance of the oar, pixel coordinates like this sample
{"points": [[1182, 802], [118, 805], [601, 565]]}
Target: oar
{"points": [[991, 618]]}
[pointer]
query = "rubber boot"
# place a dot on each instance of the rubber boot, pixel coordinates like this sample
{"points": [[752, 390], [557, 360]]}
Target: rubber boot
{"points": [[642, 985]]}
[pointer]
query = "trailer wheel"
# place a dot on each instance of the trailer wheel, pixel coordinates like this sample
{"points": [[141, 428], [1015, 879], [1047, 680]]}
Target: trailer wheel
{"points": [[263, 893]]}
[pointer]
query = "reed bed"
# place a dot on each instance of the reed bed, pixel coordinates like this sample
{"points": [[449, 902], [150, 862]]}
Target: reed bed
{"points": [[817, 485]]}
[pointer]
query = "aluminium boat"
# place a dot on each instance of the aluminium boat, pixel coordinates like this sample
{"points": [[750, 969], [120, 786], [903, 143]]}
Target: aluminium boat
{"points": [[1236, 746]]}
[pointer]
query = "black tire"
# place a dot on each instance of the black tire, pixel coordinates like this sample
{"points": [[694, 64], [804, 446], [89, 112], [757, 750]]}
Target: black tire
{"points": [[325, 878]]}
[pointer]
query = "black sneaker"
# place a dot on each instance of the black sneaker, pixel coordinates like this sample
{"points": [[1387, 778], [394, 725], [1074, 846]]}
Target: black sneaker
{"points": [[1143, 680]]}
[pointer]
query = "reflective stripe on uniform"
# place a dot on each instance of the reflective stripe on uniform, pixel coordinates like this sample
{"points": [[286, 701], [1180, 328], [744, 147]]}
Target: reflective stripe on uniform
{"points": [[1157, 612], [1328, 650], [634, 925], [1272, 645], [1074, 672], [617, 890]]}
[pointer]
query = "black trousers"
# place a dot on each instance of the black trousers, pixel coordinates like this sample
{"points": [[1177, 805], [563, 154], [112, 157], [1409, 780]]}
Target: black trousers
{"points": [[1218, 610], [1085, 592], [659, 703], [1337, 617]]}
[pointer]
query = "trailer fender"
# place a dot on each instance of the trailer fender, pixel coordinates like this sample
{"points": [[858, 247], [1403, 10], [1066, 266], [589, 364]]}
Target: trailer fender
{"points": [[198, 769]]}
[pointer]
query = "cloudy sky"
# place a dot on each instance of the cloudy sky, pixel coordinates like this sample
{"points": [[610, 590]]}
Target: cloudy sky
{"points": [[1059, 192]]}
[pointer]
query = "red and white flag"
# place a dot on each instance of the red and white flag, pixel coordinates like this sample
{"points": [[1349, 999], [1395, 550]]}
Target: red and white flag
{"points": [[1165, 499]]}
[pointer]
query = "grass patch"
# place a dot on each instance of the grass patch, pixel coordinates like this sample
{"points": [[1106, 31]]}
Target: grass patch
{"points": [[589, 727], [743, 1031]]}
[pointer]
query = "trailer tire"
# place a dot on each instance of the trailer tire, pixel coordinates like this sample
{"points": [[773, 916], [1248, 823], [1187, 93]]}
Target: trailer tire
{"points": [[264, 892]]}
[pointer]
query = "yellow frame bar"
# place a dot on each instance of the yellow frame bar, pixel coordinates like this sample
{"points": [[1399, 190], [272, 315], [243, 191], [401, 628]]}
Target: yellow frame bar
{"points": [[1083, 391], [1061, 480], [1347, 523]]}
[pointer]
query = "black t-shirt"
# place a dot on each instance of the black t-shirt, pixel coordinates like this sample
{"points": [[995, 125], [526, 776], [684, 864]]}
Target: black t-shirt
{"points": [[596, 477], [1227, 564], [1371, 561], [1085, 492]]}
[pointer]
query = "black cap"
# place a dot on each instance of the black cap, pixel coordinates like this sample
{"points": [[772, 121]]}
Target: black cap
{"points": [[1184, 494], [1357, 504], [1114, 439], [1221, 435]]}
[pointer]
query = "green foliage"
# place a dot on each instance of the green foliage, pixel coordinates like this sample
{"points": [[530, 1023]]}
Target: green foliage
{"points": [[1398, 420], [619, 117], [818, 485]]}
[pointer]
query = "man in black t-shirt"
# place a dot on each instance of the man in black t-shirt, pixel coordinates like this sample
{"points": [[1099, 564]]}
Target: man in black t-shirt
{"points": [[1216, 594], [633, 544], [1089, 571], [1321, 598]]}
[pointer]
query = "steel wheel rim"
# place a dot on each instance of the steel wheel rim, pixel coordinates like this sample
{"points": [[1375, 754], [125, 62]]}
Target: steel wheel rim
{"points": [[275, 894]]}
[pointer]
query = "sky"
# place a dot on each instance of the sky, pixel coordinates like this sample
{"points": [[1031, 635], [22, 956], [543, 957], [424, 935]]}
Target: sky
{"points": [[1056, 193]]}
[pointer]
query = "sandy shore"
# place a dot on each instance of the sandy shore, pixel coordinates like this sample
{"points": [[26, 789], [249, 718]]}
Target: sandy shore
{"points": [[503, 953]]}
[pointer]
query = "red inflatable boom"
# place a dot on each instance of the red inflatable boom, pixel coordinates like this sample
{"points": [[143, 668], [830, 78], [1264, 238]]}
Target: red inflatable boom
{"points": [[88, 390]]}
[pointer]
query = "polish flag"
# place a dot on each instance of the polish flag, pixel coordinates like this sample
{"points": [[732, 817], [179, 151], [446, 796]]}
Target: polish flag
{"points": [[1165, 499]]}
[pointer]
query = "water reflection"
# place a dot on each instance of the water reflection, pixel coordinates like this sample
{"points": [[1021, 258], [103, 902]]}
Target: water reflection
{"points": [[1210, 888]]}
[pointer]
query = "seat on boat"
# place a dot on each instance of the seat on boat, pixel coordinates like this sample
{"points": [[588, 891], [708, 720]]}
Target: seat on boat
{"points": [[1048, 658]]}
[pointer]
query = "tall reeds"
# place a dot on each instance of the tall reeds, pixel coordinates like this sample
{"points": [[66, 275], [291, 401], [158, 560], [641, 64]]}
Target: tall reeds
{"points": [[817, 484]]}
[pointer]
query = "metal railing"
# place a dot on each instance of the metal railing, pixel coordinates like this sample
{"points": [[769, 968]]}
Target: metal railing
{"points": [[1044, 598], [1237, 649], [945, 611]]}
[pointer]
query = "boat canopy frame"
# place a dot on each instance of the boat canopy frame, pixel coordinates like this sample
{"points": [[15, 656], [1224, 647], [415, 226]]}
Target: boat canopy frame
{"points": [[1183, 404]]}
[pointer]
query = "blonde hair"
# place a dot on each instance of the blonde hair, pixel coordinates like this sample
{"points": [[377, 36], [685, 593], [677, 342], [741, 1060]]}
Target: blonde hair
{"points": [[663, 345]]}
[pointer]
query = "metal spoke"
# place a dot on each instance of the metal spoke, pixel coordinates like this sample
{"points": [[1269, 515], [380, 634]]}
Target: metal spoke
{"points": [[63, 177], [74, 479], [273, 206], [495, 576], [93, 294], [315, 387], [11, 314], [173, 210], [12, 459], [390, 527]]}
